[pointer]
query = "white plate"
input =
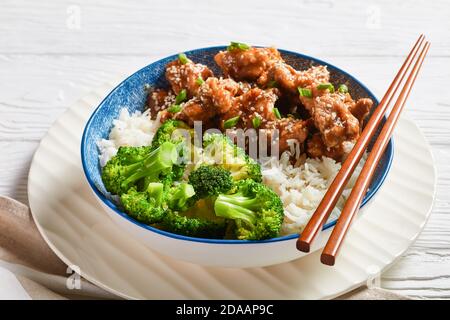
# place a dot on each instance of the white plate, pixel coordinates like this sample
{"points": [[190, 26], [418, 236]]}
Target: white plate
{"points": [[80, 232]]}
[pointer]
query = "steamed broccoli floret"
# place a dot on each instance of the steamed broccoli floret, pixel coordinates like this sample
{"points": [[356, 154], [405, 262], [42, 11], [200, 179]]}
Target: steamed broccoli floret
{"points": [[187, 215], [220, 148], [132, 165], [129, 155], [257, 211], [209, 181], [151, 205], [167, 133], [181, 214], [180, 197], [192, 226], [148, 181], [147, 206]]}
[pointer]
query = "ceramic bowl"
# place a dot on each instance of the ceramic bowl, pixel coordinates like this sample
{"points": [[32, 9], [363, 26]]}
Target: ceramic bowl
{"points": [[131, 94]]}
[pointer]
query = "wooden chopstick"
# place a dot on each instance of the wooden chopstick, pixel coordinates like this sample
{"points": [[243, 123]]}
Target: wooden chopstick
{"points": [[353, 202], [333, 193]]}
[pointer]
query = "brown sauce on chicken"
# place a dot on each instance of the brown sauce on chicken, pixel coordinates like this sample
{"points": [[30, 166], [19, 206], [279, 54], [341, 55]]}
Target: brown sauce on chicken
{"points": [[256, 84]]}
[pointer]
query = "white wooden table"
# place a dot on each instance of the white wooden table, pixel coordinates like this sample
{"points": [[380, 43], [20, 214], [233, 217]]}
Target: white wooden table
{"points": [[54, 52]]}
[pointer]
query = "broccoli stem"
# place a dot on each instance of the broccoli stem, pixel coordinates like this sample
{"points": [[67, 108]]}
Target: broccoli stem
{"points": [[156, 191], [158, 161], [236, 206]]}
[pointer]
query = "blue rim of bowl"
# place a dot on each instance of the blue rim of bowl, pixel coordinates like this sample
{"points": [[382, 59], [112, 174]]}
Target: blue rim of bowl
{"points": [[369, 195]]}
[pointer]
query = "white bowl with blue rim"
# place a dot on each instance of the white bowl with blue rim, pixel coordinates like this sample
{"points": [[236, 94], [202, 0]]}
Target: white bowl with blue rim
{"points": [[131, 94]]}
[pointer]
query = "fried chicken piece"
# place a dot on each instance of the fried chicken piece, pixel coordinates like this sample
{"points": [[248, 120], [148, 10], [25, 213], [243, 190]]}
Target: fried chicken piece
{"points": [[265, 65], [194, 110], [315, 148], [281, 74], [289, 129], [333, 119], [165, 115], [339, 120], [289, 79], [215, 97], [313, 76], [247, 64], [190, 111], [260, 103], [218, 94], [310, 79], [361, 109], [185, 76], [253, 103], [158, 100]]}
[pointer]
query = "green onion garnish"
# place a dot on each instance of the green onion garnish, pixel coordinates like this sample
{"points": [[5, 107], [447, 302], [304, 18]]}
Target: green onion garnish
{"points": [[272, 84], [343, 88], [238, 45], [183, 58], [174, 108], [305, 92], [230, 123], [276, 112], [325, 86], [181, 96], [256, 121], [199, 81]]}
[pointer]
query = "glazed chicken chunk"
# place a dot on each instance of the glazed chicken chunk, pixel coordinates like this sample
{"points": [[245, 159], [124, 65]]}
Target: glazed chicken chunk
{"points": [[158, 100], [256, 81], [333, 119], [259, 104], [339, 120], [290, 131], [317, 149], [248, 64], [214, 98], [265, 65], [255, 104], [361, 109], [193, 110], [218, 94], [289, 79], [187, 76]]}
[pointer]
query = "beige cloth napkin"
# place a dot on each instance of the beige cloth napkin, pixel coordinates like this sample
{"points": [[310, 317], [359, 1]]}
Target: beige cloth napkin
{"points": [[27, 261]]}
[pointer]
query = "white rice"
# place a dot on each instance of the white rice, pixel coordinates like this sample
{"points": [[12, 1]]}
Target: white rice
{"points": [[301, 186], [133, 130]]}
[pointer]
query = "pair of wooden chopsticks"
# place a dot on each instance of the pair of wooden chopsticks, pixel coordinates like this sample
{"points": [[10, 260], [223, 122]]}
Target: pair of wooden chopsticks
{"points": [[353, 202]]}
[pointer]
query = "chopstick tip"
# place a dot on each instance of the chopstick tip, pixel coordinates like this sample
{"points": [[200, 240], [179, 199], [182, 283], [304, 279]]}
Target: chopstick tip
{"points": [[303, 246], [327, 259]]}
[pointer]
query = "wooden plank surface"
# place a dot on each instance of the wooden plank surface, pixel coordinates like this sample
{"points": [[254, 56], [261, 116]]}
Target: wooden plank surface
{"points": [[53, 53]]}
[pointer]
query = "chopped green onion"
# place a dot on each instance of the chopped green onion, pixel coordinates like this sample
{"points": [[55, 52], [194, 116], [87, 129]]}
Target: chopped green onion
{"points": [[199, 81], [305, 92], [174, 108], [181, 96], [272, 84], [238, 46], [230, 123], [343, 88], [325, 86], [277, 113], [256, 121], [183, 58]]}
